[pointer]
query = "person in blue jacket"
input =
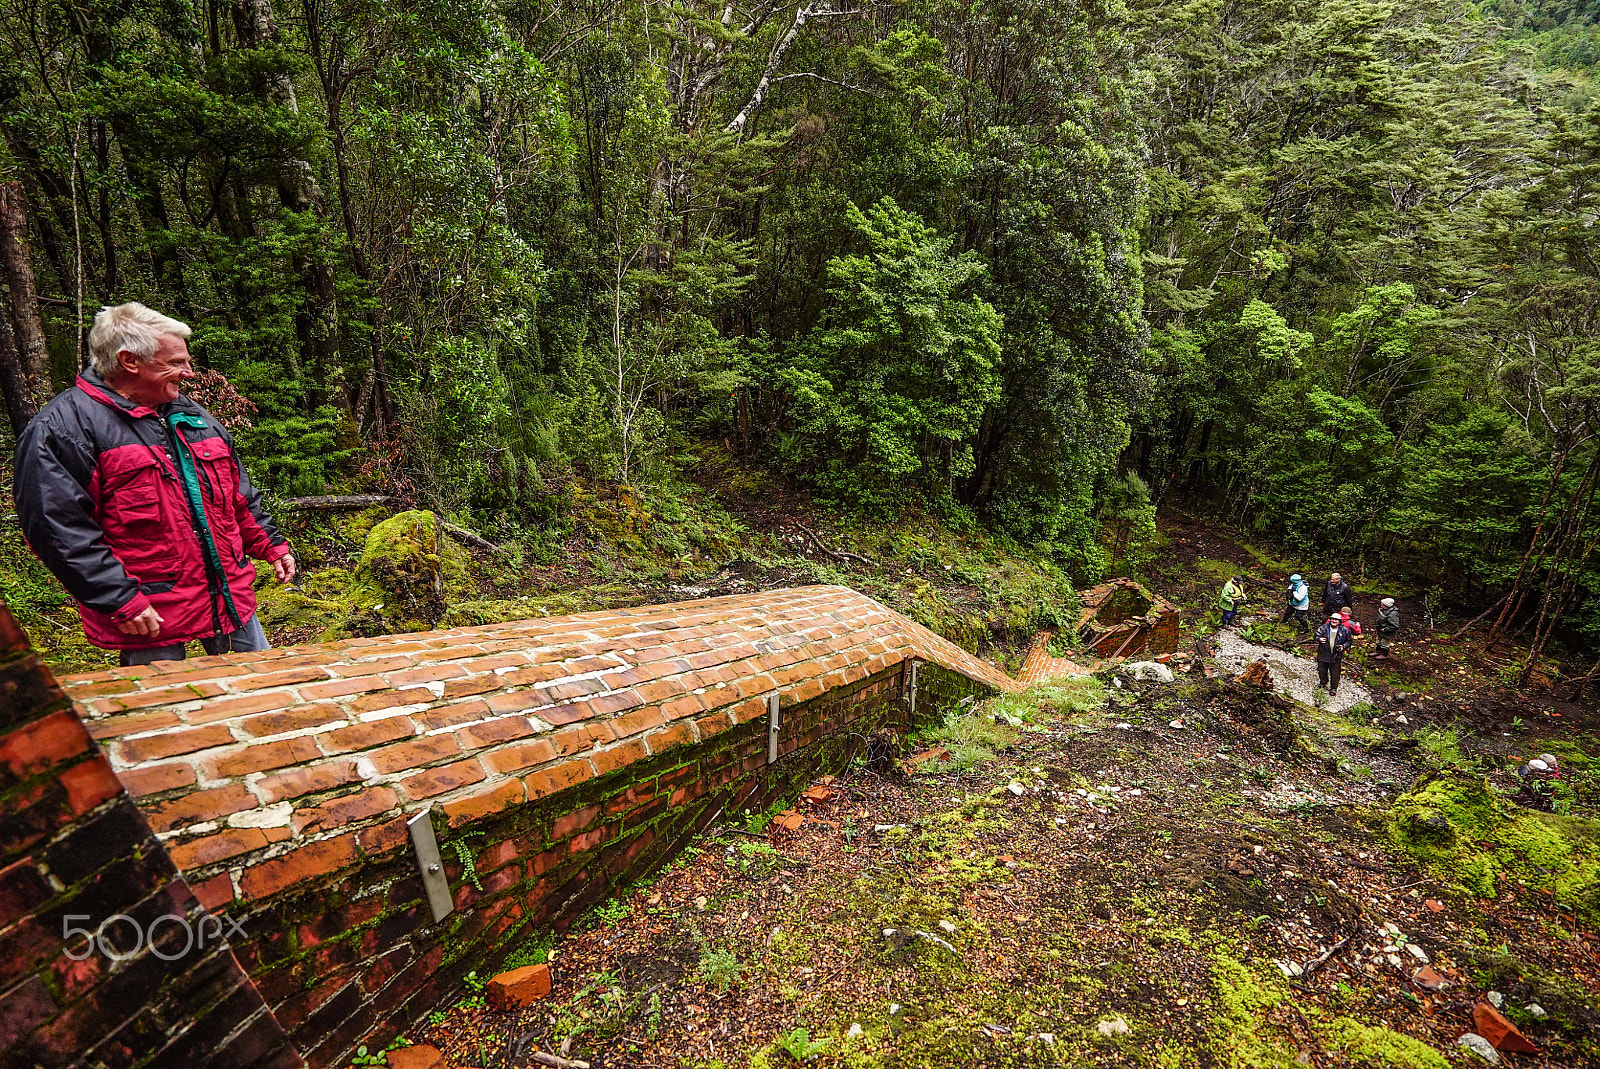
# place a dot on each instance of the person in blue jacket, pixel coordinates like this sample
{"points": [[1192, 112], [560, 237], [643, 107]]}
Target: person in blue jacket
{"points": [[1297, 603]]}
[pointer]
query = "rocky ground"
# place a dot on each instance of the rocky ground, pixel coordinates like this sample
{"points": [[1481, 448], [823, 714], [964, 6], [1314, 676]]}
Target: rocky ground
{"points": [[1200, 873]]}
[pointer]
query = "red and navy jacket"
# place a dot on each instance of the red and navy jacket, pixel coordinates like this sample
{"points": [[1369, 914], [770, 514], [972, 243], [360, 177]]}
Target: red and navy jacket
{"points": [[133, 507]]}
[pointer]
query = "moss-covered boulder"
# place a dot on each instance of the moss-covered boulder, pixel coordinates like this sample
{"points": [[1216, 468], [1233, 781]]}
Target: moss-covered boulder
{"points": [[1467, 832], [402, 571]]}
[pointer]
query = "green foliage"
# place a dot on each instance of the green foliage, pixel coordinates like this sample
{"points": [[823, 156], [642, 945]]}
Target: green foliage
{"points": [[799, 1045], [719, 967]]}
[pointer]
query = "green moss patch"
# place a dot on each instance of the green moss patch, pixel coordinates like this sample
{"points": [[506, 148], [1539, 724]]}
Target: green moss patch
{"points": [[1465, 831]]}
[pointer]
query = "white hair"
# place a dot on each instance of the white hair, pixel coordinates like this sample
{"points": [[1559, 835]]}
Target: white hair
{"points": [[129, 326]]}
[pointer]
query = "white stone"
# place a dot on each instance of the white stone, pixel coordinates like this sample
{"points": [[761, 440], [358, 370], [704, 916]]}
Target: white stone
{"points": [[1149, 670], [267, 816], [1017, 789], [1496, 999], [1418, 953], [947, 927], [1114, 1027], [1290, 969], [1480, 1046], [855, 1032], [1047, 1038], [1535, 1010]]}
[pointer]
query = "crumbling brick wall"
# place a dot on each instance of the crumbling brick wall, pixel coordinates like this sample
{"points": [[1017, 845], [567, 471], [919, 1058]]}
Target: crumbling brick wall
{"points": [[75, 851]]}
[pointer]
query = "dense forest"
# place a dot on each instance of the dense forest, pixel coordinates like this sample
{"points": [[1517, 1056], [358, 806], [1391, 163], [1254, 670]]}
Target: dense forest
{"points": [[1331, 272]]}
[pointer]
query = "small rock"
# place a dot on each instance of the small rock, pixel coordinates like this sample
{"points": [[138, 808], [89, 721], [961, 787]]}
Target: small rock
{"points": [[1124, 726], [1418, 953], [1427, 979], [701, 902], [1550, 759], [1047, 1038], [1535, 1010], [1114, 1027], [855, 1032], [947, 927], [1175, 724], [1496, 999], [1017, 789], [1290, 969], [894, 1008], [1394, 959], [1402, 696], [1434, 905], [1116, 681], [1149, 670], [1479, 1046], [1401, 720], [519, 987]]}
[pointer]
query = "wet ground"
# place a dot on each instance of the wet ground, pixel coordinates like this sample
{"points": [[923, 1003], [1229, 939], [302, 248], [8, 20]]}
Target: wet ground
{"points": [[1194, 874]]}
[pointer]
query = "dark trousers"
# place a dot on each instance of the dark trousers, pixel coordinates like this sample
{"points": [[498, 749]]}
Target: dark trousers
{"points": [[1297, 614], [1328, 676], [248, 639]]}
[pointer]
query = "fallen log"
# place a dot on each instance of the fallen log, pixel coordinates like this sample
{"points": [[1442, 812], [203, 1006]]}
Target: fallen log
{"points": [[338, 502]]}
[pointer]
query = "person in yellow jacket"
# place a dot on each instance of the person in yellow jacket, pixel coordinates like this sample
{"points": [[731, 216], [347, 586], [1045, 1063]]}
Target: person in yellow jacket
{"points": [[1233, 595]]}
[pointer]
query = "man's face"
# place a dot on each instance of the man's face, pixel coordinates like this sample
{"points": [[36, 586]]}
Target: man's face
{"points": [[155, 381], [1337, 578]]}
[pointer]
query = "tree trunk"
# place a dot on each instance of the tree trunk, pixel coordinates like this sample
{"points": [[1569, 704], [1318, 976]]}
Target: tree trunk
{"points": [[27, 328], [13, 383]]}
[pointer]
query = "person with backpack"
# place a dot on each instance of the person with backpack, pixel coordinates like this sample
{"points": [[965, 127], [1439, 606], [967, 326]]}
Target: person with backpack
{"points": [[1388, 625], [1336, 595], [1233, 596], [1333, 638], [1298, 603]]}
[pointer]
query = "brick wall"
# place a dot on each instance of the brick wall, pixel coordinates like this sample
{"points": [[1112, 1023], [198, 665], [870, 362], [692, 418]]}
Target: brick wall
{"points": [[569, 754], [74, 850]]}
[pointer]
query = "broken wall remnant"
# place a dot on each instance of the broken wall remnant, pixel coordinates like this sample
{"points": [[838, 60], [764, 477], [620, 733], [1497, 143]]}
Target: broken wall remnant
{"points": [[1123, 618]]}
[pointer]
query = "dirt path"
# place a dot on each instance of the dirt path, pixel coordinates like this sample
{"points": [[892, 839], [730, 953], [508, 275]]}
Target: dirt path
{"points": [[1291, 673]]}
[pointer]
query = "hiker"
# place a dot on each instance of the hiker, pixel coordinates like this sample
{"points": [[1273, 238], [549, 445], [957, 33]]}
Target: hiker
{"points": [[133, 496], [1344, 618], [1388, 625], [1333, 638], [1336, 595], [1233, 595], [1298, 603]]}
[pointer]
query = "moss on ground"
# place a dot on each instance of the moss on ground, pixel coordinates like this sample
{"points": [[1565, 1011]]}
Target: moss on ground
{"points": [[1370, 1045], [1457, 824]]}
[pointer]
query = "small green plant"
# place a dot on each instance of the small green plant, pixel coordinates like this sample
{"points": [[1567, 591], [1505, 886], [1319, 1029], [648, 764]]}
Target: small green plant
{"points": [[474, 985], [719, 968], [611, 910], [1442, 745], [799, 1045], [464, 854], [1319, 696], [362, 1057]]}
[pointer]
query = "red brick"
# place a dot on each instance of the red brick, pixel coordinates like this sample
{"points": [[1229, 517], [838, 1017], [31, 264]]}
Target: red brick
{"points": [[636, 722], [388, 699], [144, 699], [365, 736], [687, 705], [89, 783], [500, 729], [658, 690], [215, 892], [523, 755], [198, 806], [450, 715], [262, 757], [573, 688], [194, 671], [580, 739], [673, 735], [309, 780], [414, 754], [346, 809], [519, 987], [546, 781], [384, 837], [342, 688], [569, 824], [378, 666], [432, 781], [154, 747], [228, 708], [516, 701], [430, 674], [308, 674], [131, 724], [538, 673], [484, 803], [619, 756], [478, 684], [308, 862], [45, 742], [151, 779], [297, 719], [196, 853]]}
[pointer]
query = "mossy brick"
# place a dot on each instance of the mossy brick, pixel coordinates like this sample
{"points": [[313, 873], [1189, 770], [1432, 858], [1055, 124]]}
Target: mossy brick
{"points": [[203, 850], [88, 783], [172, 744], [308, 862]]}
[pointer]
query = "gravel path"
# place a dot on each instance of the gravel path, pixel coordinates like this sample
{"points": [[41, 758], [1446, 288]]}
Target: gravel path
{"points": [[1291, 674]]}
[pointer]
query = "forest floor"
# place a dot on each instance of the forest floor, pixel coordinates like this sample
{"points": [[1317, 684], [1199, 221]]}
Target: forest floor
{"points": [[1200, 873]]}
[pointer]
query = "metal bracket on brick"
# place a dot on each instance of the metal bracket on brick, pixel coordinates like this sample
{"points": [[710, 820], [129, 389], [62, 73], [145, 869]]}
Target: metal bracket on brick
{"points": [[911, 687], [434, 882], [772, 728]]}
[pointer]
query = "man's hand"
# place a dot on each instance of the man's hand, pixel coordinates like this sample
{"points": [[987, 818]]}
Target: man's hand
{"points": [[147, 624], [283, 568]]}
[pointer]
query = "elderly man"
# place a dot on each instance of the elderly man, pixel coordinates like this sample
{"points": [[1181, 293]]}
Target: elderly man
{"points": [[1337, 595], [133, 496]]}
